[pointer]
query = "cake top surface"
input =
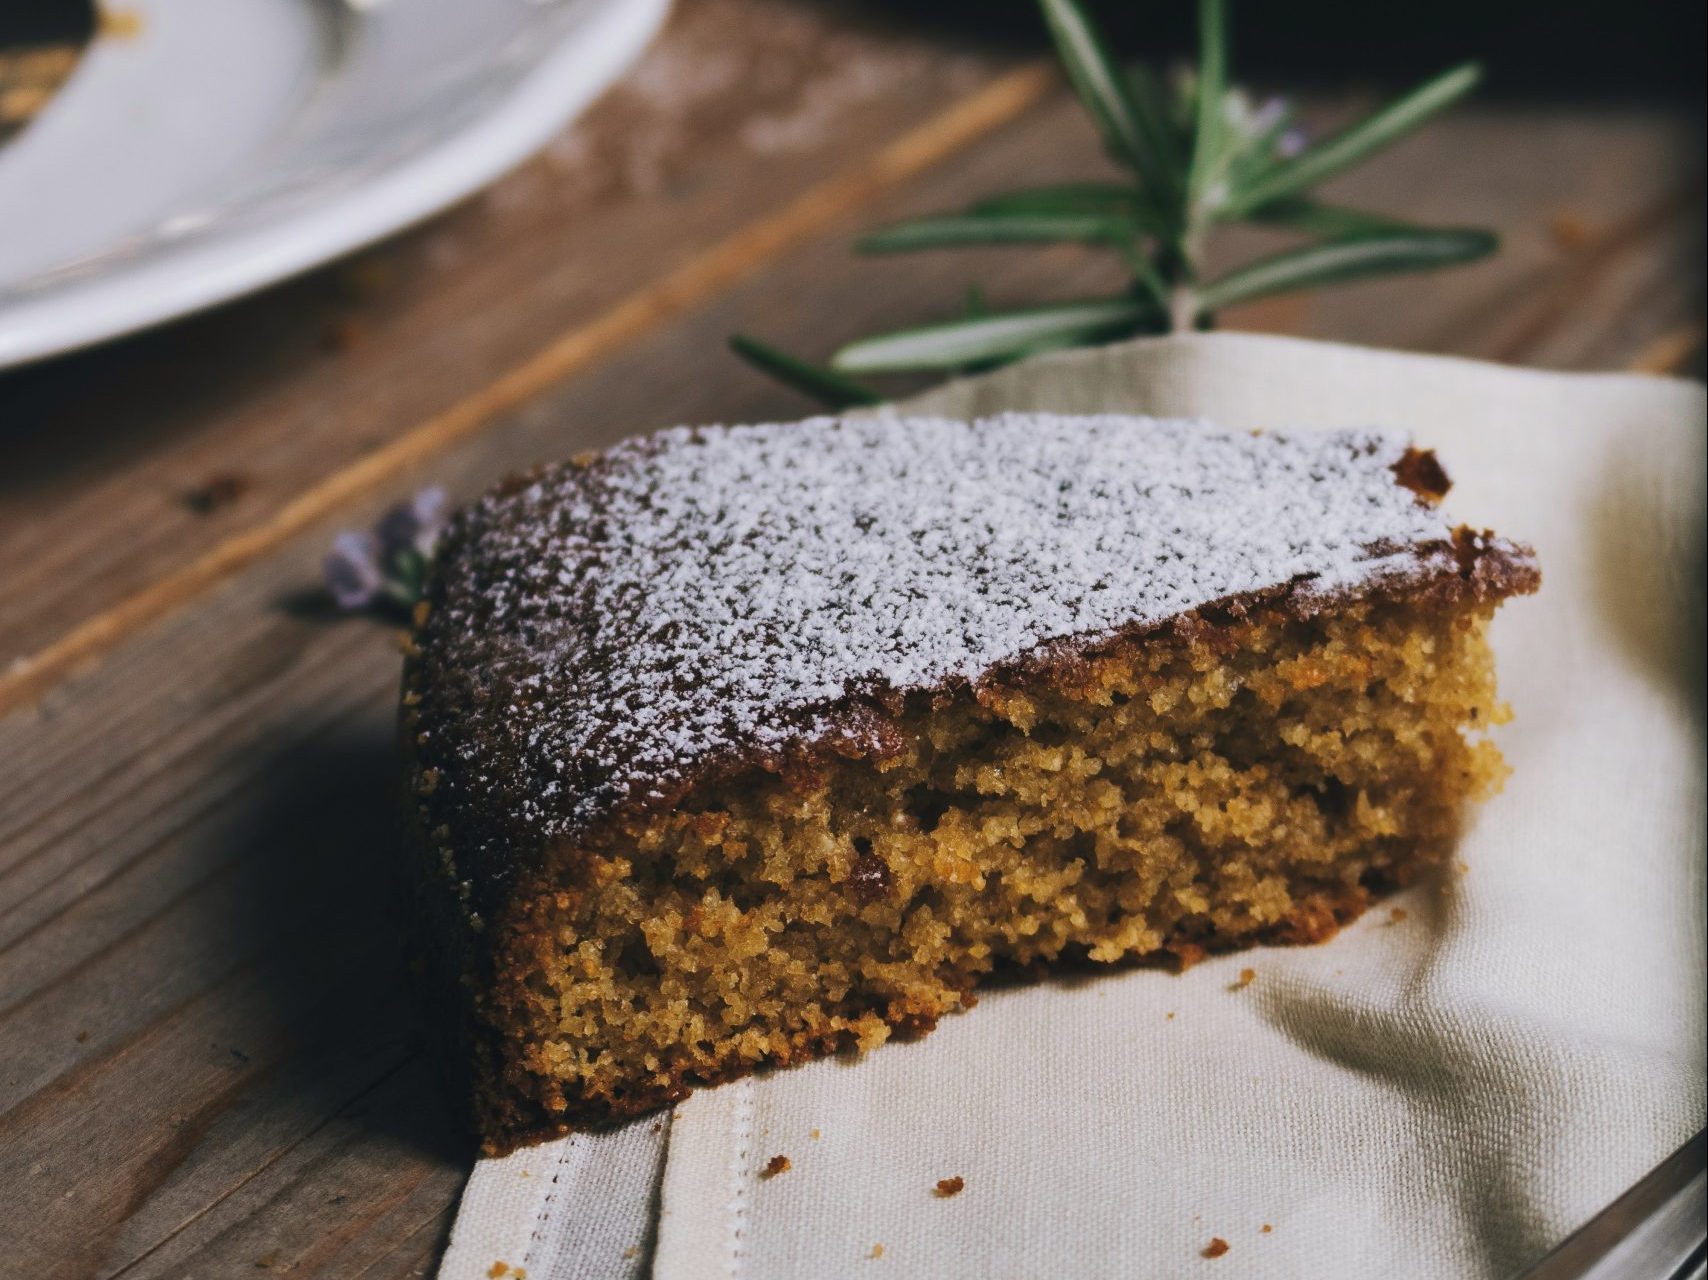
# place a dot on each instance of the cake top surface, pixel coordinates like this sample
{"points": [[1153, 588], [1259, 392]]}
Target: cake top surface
{"points": [[603, 632]]}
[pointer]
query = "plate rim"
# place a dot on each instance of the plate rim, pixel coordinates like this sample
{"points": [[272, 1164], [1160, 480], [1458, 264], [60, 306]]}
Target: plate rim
{"points": [[133, 297]]}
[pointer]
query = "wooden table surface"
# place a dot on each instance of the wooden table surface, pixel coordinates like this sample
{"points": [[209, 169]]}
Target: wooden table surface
{"points": [[209, 1060]]}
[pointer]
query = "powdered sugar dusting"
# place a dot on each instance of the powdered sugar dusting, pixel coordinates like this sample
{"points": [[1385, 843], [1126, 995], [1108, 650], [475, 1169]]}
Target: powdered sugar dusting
{"points": [[600, 632]]}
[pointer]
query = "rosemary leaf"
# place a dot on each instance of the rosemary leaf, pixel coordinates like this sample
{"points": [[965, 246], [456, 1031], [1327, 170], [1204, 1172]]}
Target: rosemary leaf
{"points": [[1102, 88], [1156, 121], [1327, 221], [1352, 258], [1259, 154], [953, 344], [1209, 125], [999, 227], [1063, 343], [1346, 148], [1146, 276], [826, 385]]}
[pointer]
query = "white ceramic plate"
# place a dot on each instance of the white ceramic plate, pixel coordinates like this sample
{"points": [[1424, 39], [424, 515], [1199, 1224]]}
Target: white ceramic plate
{"points": [[228, 144]]}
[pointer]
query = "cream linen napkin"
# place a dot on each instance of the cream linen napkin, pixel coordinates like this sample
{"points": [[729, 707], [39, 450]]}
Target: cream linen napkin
{"points": [[1446, 1089]]}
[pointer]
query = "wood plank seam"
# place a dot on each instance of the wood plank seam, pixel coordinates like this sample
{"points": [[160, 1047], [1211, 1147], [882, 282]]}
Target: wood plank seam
{"points": [[88, 814], [389, 1073], [111, 874], [104, 1057], [241, 1080], [209, 876], [696, 281], [440, 1220], [13, 839], [17, 1119], [328, 1246]]}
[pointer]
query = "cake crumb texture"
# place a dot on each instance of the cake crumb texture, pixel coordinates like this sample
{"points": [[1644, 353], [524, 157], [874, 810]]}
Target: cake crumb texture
{"points": [[1260, 784]]}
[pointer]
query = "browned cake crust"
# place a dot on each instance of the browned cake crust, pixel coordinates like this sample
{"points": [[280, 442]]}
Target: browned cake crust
{"points": [[521, 834]]}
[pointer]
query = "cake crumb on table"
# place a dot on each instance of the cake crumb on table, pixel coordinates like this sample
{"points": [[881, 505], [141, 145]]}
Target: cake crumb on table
{"points": [[1216, 1248], [774, 1166], [877, 1251], [815, 1135], [947, 1187], [502, 1268], [1396, 915], [631, 1253], [1266, 1228], [1245, 979], [217, 492]]}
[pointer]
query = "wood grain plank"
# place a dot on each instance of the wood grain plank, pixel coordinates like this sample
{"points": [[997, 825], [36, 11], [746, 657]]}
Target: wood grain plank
{"points": [[206, 813], [415, 1251], [399, 1198]]}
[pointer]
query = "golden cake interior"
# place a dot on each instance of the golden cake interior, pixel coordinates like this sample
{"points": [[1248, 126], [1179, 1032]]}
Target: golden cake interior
{"points": [[1258, 783]]}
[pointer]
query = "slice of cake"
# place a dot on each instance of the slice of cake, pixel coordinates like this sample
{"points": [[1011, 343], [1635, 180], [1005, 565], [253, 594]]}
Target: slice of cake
{"points": [[733, 746]]}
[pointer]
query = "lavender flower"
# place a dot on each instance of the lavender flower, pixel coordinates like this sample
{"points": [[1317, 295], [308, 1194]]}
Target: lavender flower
{"points": [[413, 525], [1265, 128], [1264, 118], [387, 567], [352, 570]]}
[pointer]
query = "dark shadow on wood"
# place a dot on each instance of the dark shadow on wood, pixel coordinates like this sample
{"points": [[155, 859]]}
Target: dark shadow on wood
{"points": [[338, 983]]}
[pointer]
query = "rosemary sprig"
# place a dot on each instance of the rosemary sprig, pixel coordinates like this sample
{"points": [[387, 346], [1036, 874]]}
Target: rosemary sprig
{"points": [[1198, 157]]}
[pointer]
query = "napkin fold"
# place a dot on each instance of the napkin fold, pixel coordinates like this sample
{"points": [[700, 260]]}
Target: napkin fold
{"points": [[1448, 1088]]}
